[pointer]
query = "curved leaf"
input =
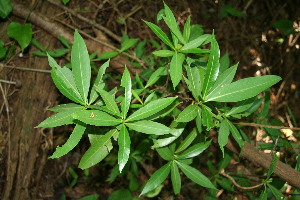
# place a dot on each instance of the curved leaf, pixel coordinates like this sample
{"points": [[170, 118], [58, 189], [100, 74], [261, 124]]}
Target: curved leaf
{"points": [[194, 150], [196, 42], [97, 118], [109, 101], [124, 147], [149, 127], [187, 141], [155, 76]]}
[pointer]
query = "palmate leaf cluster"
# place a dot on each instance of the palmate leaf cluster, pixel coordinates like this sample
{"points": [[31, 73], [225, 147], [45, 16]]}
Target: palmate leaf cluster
{"points": [[210, 86]]}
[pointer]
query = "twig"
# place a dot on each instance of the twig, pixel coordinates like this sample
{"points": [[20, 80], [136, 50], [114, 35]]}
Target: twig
{"points": [[266, 126], [25, 68], [86, 20], [222, 172], [8, 82]]}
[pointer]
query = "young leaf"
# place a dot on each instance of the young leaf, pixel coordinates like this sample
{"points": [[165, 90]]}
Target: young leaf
{"points": [[64, 81], [159, 33], [224, 79], [67, 107], [272, 166], [195, 175], [163, 53], [235, 133], [81, 66], [98, 82], [188, 114], [212, 70], [126, 83], [71, 142], [99, 149], [223, 135], [187, 141], [165, 153], [5, 8], [150, 109], [196, 42], [175, 178], [124, 147], [149, 127], [207, 119], [20, 32], [109, 101], [172, 24], [59, 119], [187, 29], [243, 89], [96, 117], [157, 178], [194, 150], [224, 62], [155, 76], [176, 68], [128, 43]]}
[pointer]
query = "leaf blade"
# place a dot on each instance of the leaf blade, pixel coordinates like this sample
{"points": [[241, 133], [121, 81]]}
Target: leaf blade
{"points": [[97, 118], [126, 83], [149, 127], [175, 178], [188, 114], [124, 147], [176, 68]]}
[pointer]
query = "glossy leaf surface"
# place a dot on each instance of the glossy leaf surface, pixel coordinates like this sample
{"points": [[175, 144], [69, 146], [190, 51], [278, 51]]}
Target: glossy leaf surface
{"points": [[124, 147], [97, 118], [149, 127], [188, 114], [126, 83], [176, 68]]}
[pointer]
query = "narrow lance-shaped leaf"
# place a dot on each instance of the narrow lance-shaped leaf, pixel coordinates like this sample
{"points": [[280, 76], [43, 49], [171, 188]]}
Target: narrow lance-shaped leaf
{"points": [[109, 101], [187, 141], [149, 127], [71, 142], [207, 119], [124, 147], [194, 150], [188, 114], [166, 141], [128, 43], [159, 33], [241, 106], [187, 29], [81, 66], [212, 69], [64, 81], [176, 68], [175, 178], [98, 81], [155, 76], [96, 117], [157, 178], [195, 175], [235, 133], [98, 151], [194, 78], [224, 62], [150, 109], [272, 166], [278, 195], [126, 83], [66, 107], [223, 135], [196, 42], [163, 53], [243, 89], [165, 153]]}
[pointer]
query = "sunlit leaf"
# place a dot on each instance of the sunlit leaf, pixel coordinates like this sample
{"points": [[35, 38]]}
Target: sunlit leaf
{"points": [[96, 117], [175, 133], [109, 101], [124, 147], [187, 141], [196, 42], [126, 83], [163, 53], [188, 114], [149, 127], [187, 29], [67, 107], [165, 153], [176, 68]]}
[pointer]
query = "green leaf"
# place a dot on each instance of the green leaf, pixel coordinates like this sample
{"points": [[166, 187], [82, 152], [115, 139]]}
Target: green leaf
{"points": [[159, 33], [176, 68], [194, 150], [196, 31], [212, 70], [241, 106], [194, 51], [223, 135], [109, 101], [272, 167], [187, 141], [99, 149], [157, 178], [108, 55], [224, 79], [5, 8], [65, 1], [155, 76], [67, 107], [172, 24], [175, 178], [120, 194], [207, 119], [166, 141], [64, 41], [243, 89], [165, 153], [81, 66], [124, 147], [194, 78], [285, 26], [150, 109], [199, 120], [20, 32], [187, 29], [59, 119], [126, 83], [235, 133], [163, 53], [188, 114], [149, 127], [127, 44], [196, 42], [71, 142], [277, 194], [224, 63], [56, 53], [195, 175], [96, 117], [64, 81], [98, 82]]}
